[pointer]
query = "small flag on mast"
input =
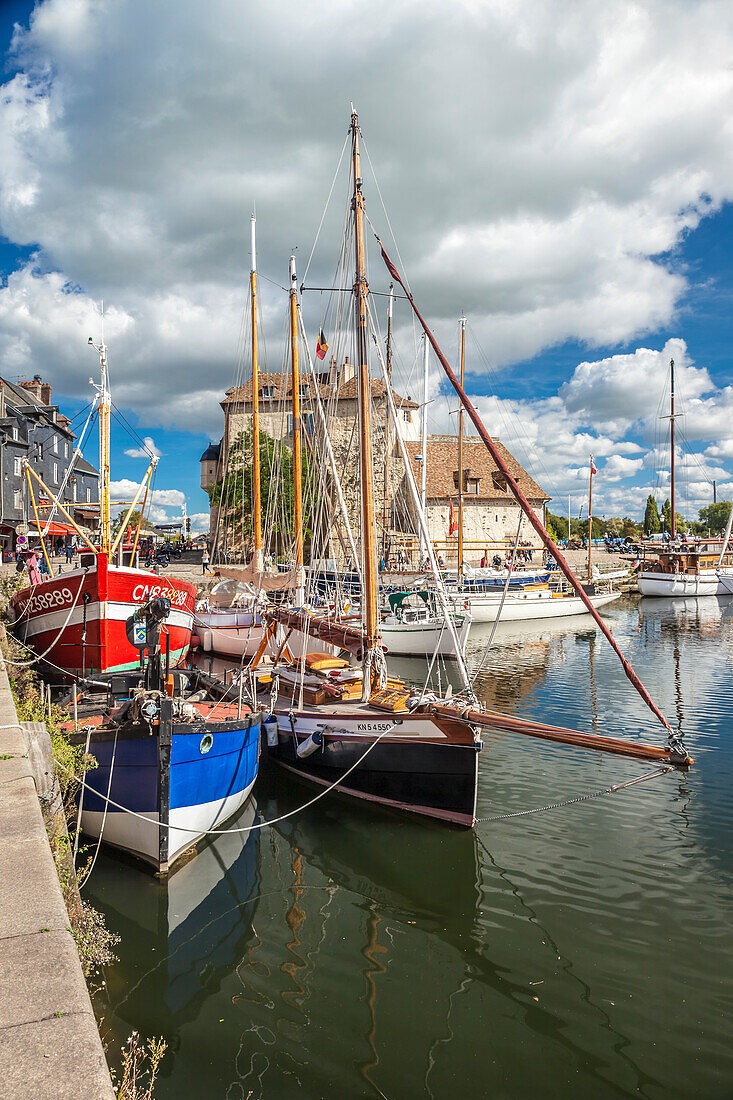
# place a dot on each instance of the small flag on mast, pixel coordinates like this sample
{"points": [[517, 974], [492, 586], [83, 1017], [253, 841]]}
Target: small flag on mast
{"points": [[321, 346], [593, 466], [452, 520]]}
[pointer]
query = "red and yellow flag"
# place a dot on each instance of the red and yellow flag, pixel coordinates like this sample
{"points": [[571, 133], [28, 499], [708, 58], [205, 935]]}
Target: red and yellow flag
{"points": [[321, 346], [452, 520]]}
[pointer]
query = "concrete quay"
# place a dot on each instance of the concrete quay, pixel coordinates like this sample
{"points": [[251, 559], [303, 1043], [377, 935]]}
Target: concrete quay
{"points": [[50, 1047]]}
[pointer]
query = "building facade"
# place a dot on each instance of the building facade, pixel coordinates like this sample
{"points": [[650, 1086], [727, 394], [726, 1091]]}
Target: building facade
{"points": [[34, 430]]}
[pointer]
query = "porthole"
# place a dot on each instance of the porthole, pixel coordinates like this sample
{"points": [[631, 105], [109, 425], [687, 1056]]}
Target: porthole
{"points": [[206, 743]]}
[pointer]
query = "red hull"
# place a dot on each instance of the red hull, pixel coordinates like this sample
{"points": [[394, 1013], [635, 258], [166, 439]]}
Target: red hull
{"points": [[77, 620]]}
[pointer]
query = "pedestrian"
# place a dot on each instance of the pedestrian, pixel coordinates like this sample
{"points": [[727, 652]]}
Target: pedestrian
{"points": [[69, 552], [204, 560]]}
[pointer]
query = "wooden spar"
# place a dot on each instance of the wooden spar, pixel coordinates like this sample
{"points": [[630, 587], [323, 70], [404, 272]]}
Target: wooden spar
{"points": [[123, 527], [38, 522], [105, 406], [387, 448], [139, 525], [563, 736], [297, 456], [524, 503], [61, 508], [590, 515], [424, 446], [369, 571], [460, 455], [335, 633], [256, 492], [673, 523]]}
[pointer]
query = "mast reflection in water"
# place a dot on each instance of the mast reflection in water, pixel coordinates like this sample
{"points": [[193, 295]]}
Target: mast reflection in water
{"points": [[585, 951]]}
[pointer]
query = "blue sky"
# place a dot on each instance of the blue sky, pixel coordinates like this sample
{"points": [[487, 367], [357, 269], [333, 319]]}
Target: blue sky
{"points": [[564, 177]]}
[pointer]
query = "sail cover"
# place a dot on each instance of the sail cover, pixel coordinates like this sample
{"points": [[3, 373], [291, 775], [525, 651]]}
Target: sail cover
{"points": [[263, 581]]}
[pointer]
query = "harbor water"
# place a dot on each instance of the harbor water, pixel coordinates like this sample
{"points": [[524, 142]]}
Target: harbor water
{"points": [[349, 951]]}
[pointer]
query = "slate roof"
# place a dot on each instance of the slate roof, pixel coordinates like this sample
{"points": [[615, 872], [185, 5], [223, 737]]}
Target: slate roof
{"points": [[443, 463]]}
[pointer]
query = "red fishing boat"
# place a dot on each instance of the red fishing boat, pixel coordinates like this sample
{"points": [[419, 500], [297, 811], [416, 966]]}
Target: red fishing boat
{"points": [[75, 622]]}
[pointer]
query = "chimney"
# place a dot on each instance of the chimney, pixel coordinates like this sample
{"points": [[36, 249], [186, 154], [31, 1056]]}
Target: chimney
{"points": [[39, 389], [45, 393]]}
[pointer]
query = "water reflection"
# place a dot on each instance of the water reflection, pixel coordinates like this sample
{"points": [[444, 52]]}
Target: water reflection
{"points": [[585, 951]]}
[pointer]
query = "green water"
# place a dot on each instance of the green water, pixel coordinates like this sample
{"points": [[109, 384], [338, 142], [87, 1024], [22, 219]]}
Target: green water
{"points": [[353, 952]]}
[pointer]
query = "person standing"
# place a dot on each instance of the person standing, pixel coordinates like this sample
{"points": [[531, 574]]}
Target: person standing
{"points": [[204, 560]]}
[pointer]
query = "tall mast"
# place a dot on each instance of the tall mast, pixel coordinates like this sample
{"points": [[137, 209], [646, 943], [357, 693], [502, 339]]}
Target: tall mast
{"points": [[460, 455], [673, 531], [424, 446], [297, 458], [590, 514], [369, 574], [257, 501], [386, 520], [105, 406]]}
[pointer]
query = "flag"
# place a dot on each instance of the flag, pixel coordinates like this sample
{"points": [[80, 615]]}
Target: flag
{"points": [[452, 520], [593, 466], [321, 346]]}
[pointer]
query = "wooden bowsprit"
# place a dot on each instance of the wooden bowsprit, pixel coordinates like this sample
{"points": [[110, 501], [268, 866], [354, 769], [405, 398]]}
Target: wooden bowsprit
{"points": [[675, 745]]}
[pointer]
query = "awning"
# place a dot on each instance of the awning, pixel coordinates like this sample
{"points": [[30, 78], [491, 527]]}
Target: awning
{"points": [[54, 529]]}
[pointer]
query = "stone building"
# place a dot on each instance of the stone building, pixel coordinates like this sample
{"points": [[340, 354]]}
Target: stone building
{"points": [[32, 428], [490, 512], [339, 400]]}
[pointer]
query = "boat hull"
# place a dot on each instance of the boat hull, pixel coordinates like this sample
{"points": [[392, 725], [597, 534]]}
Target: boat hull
{"points": [[77, 619], [682, 584], [529, 605], [419, 765], [200, 789], [425, 639]]}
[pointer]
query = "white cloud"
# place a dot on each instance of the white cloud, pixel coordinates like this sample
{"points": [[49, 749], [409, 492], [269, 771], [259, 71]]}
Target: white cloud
{"points": [[132, 148], [126, 489], [148, 450], [199, 523]]}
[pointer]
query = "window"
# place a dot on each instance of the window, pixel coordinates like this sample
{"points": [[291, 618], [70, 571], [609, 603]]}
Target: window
{"points": [[406, 416], [55, 473], [472, 486], [16, 467], [18, 500], [55, 444], [268, 392], [66, 448], [39, 451], [303, 389], [309, 423], [73, 489], [15, 433], [89, 495], [290, 423]]}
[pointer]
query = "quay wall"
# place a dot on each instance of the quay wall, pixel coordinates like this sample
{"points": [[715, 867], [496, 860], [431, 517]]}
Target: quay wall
{"points": [[50, 1047]]}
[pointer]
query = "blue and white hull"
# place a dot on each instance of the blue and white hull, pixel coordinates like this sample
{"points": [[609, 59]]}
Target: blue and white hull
{"points": [[176, 792]]}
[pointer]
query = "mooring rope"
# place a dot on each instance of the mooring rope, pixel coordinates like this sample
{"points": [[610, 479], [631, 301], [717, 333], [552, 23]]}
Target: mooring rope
{"points": [[580, 798]]}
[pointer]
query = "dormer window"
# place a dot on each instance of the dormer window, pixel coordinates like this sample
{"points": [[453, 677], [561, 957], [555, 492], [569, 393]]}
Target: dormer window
{"points": [[303, 389], [472, 486], [499, 482], [268, 392]]}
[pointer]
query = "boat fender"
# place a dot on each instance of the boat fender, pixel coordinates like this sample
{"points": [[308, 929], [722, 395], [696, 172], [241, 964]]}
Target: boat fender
{"points": [[310, 745], [270, 726]]}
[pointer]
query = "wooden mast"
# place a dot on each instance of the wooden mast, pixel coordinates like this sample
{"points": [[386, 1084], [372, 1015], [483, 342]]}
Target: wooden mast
{"points": [[257, 501], [386, 517], [460, 455], [424, 446], [297, 457], [369, 572], [590, 515], [105, 409], [673, 522]]}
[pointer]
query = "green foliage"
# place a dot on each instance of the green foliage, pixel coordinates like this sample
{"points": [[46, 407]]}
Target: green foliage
{"points": [[666, 516], [558, 527], [651, 517], [132, 525], [140, 1063], [714, 518], [234, 494]]}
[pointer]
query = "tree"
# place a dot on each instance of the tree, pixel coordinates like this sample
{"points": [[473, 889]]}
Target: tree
{"points": [[667, 515], [714, 517], [651, 517], [629, 528], [235, 496], [117, 521]]}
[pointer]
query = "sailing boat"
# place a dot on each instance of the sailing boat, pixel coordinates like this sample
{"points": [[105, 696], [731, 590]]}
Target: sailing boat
{"points": [[75, 622], [374, 737], [685, 567]]}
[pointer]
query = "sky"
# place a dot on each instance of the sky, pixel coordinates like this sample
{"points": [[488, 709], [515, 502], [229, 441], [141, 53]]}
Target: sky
{"points": [[562, 173]]}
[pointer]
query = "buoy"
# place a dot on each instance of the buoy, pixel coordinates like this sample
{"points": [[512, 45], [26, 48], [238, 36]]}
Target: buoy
{"points": [[310, 745]]}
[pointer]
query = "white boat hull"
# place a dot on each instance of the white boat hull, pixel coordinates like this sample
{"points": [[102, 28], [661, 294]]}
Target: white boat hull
{"points": [[425, 638], [532, 605], [706, 583]]}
